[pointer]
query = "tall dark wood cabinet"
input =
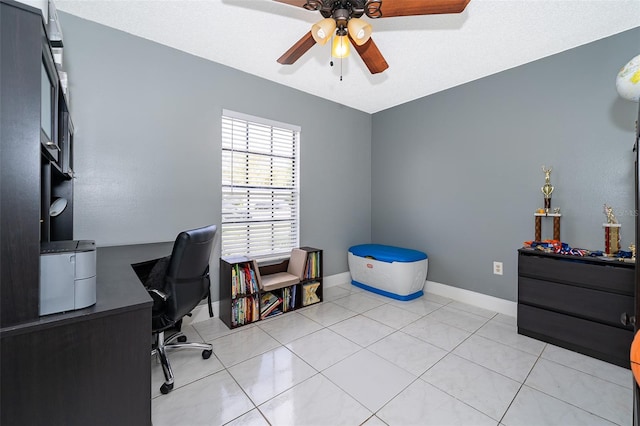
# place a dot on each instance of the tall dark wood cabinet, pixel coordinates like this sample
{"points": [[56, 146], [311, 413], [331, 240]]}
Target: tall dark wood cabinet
{"points": [[88, 366], [22, 43], [35, 165]]}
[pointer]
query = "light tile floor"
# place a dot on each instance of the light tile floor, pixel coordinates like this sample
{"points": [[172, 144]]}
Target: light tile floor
{"points": [[359, 358]]}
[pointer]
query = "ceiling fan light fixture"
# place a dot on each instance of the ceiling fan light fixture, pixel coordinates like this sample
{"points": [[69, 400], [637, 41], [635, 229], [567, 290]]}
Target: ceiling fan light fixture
{"points": [[322, 30], [359, 30], [340, 48]]}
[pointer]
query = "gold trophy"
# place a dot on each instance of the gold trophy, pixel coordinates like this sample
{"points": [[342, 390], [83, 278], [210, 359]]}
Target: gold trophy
{"points": [[547, 189], [611, 232]]}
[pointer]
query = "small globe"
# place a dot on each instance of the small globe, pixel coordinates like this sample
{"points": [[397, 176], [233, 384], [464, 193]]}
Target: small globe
{"points": [[628, 80]]}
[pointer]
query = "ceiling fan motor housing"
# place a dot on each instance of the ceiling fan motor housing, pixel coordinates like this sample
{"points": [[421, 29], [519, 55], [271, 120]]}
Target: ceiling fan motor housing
{"points": [[353, 8], [341, 17]]}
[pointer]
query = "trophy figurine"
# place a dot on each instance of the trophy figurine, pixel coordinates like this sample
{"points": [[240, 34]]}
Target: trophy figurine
{"points": [[547, 189], [608, 211]]}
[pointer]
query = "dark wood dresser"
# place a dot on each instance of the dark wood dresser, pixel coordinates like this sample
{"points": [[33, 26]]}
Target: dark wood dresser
{"points": [[577, 303]]}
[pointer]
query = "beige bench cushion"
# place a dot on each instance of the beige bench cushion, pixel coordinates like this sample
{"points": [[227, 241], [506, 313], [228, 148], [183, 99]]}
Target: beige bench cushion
{"points": [[294, 274], [278, 280]]}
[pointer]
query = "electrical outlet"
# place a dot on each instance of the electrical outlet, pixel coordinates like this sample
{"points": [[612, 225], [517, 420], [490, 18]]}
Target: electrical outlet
{"points": [[497, 268]]}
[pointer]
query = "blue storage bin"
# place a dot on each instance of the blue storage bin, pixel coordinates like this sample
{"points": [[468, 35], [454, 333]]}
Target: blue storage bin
{"points": [[395, 272]]}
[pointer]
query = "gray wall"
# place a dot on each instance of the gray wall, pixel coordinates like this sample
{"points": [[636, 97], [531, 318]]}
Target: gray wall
{"points": [[458, 174], [148, 144]]}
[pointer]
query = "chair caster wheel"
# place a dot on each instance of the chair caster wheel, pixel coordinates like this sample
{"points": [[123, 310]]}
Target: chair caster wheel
{"points": [[165, 388], [206, 354], [182, 339]]}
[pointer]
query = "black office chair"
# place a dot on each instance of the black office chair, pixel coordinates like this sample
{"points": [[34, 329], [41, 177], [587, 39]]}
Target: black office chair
{"points": [[177, 284]]}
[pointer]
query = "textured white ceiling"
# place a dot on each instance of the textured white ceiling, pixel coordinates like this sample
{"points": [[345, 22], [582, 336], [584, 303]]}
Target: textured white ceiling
{"points": [[426, 54]]}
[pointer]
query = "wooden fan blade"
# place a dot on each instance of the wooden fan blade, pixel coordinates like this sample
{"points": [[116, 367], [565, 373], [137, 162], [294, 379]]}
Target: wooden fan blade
{"points": [[371, 56], [299, 3], [390, 8], [297, 50]]}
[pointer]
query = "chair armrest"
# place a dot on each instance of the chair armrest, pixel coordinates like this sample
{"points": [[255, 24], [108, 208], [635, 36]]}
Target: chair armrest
{"points": [[297, 263], [158, 293]]}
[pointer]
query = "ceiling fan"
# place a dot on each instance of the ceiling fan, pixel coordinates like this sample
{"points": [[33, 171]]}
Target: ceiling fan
{"points": [[343, 17]]}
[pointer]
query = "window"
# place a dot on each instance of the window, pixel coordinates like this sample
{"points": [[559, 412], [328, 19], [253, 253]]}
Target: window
{"points": [[259, 186]]}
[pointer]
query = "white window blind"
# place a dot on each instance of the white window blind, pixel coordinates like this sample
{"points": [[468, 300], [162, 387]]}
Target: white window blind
{"points": [[259, 186]]}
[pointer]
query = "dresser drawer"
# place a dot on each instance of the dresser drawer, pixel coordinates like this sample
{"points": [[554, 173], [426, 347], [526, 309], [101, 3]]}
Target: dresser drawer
{"points": [[612, 277], [600, 341], [596, 305]]}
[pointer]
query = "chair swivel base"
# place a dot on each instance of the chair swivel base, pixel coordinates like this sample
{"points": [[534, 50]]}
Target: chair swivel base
{"points": [[163, 345]]}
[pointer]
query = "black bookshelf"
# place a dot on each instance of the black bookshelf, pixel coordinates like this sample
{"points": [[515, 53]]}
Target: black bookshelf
{"points": [[241, 304]]}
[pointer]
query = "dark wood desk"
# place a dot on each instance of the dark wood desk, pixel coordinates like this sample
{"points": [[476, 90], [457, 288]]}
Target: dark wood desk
{"points": [[90, 366]]}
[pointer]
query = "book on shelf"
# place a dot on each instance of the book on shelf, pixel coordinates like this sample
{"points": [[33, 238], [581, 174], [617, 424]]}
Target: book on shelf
{"points": [[256, 274], [240, 275], [289, 298], [286, 295], [237, 278], [234, 282], [244, 310], [273, 313], [268, 303], [312, 269], [243, 280], [309, 295], [294, 290]]}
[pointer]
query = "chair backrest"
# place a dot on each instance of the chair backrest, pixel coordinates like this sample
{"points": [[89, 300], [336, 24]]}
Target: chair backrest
{"points": [[187, 281]]}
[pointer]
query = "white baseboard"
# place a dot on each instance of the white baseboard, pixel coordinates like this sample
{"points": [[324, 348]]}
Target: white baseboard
{"points": [[472, 298], [201, 312], [337, 279], [459, 294]]}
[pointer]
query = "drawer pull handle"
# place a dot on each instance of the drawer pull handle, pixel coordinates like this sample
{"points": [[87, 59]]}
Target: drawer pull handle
{"points": [[625, 319]]}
